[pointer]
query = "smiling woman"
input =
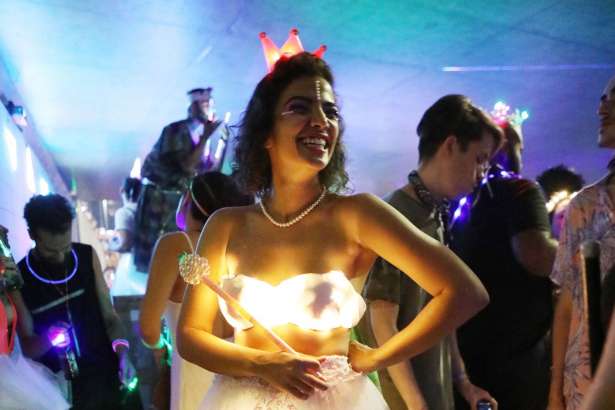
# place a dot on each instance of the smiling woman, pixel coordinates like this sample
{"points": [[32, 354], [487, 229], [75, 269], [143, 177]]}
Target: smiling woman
{"points": [[258, 122], [289, 261]]}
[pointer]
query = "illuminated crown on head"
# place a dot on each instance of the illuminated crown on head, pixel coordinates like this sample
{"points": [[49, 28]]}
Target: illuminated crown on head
{"points": [[503, 117], [291, 47]]}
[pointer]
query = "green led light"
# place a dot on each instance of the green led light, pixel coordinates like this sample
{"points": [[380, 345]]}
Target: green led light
{"points": [[5, 249], [132, 385]]}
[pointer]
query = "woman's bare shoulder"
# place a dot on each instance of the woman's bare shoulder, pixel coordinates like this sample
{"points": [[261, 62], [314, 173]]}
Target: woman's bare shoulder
{"points": [[173, 242], [232, 215], [359, 202], [227, 220]]}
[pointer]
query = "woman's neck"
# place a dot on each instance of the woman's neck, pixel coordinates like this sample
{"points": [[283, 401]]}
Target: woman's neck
{"points": [[288, 197]]}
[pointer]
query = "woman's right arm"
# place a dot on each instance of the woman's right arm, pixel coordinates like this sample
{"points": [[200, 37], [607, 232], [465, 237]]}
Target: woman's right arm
{"points": [[196, 342]]}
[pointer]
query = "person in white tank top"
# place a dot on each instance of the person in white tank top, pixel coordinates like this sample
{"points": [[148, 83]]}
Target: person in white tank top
{"points": [[165, 289]]}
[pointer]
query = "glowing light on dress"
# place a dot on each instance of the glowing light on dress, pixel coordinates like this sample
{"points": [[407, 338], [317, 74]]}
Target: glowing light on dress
{"points": [[194, 269], [311, 301]]}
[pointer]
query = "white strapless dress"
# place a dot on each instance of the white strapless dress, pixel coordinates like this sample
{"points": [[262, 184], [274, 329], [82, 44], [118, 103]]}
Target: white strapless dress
{"points": [[189, 382], [318, 302], [347, 390]]}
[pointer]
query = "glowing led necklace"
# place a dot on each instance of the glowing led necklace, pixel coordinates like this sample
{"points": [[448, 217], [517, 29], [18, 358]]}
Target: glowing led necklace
{"points": [[298, 217], [50, 281]]}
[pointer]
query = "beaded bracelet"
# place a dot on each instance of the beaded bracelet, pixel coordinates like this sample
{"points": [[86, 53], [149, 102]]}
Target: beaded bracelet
{"points": [[119, 342]]}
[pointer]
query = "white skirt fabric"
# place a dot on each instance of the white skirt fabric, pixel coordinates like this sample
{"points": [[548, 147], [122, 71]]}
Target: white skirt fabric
{"points": [[347, 390], [27, 385], [189, 382]]}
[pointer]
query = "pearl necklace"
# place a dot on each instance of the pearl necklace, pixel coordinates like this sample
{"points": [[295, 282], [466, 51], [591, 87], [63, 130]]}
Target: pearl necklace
{"points": [[298, 217]]}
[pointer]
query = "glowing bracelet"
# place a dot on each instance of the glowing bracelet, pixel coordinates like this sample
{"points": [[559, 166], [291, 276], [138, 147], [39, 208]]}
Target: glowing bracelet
{"points": [[159, 344], [120, 342]]}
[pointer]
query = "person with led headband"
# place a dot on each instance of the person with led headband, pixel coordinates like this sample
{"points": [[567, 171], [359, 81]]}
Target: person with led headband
{"points": [[64, 289], [590, 217], [456, 141], [208, 192], [503, 234], [24, 384], [288, 261], [167, 170]]}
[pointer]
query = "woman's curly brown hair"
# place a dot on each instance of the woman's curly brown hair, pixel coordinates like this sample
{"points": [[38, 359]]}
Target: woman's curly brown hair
{"points": [[252, 167]]}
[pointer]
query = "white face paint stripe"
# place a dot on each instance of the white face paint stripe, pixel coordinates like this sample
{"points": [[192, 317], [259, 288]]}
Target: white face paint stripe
{"points": [[317, 86]]}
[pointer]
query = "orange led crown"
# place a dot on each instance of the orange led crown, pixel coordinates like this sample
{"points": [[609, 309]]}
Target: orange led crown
{"points": [[291, 47]]}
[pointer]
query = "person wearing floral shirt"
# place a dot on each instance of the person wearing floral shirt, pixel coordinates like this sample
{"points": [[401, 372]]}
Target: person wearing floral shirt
{"points": [[590, 217]]}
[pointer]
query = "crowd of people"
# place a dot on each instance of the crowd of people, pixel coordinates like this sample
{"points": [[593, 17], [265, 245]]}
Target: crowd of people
{"points": [[274, 288]]}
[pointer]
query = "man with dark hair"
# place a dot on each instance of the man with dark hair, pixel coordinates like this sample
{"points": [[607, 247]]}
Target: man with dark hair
{"points": [[167, 170], [66, 299], [503, 234], [560, 178], [560, 184], [456, 141]]}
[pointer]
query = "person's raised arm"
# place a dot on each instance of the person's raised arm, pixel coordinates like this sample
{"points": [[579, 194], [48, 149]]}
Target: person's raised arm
{"points": [[209, 127], [197, 343], [457, 292]]}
